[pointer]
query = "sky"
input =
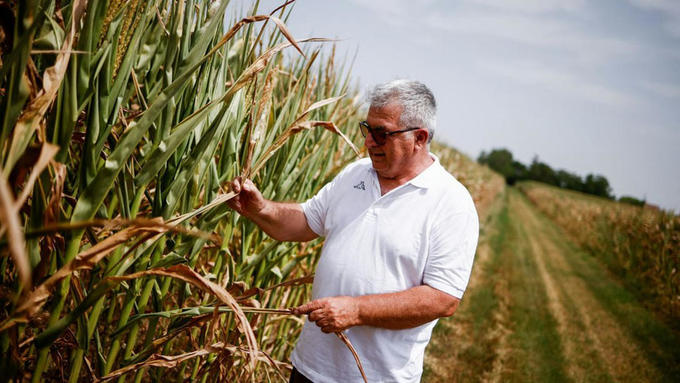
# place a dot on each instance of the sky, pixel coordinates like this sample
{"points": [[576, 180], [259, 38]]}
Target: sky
{"points": [[590, 86]]}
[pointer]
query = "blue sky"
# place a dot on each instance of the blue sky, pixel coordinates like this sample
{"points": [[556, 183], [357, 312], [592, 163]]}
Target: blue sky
{"points": [[587, 86]]}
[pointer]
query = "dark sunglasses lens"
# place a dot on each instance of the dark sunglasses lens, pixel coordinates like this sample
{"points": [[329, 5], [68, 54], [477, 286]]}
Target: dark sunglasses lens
{"points": [[379, 136], [364, 128]]}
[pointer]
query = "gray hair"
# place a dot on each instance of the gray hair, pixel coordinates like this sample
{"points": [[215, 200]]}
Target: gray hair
{"points": [[416, 99]]}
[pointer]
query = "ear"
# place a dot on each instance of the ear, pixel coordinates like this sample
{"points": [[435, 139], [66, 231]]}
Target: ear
{"points": [[421, 136]]}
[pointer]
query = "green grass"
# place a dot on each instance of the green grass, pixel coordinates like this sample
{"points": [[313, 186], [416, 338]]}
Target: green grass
{"points": [[474, 357], [538, 356], [659, 342], [639, 246], [509, 273], [510, 289], [482, 303]]}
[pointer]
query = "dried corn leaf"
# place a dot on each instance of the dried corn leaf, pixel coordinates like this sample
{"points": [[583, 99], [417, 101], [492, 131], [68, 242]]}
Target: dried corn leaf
{"points": [[113, 224], [12, 224], [85, 260], [167, 361], [47, 152], [286, 33], [219, 200], [89, 258], [158, 360], [52, 78], [188, 275], [293, 282], [316, 105], [263, 111], [346, 341], [52, 209], [296, 128]]}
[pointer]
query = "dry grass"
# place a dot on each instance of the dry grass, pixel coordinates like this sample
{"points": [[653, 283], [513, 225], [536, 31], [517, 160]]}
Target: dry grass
{"points": [[640, 244]]}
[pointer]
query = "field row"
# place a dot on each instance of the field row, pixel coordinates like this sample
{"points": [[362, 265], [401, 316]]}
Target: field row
{"points": [[642, 245]]}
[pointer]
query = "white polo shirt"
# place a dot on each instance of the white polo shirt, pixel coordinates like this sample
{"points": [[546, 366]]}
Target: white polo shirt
{"points": [[423, 232]]}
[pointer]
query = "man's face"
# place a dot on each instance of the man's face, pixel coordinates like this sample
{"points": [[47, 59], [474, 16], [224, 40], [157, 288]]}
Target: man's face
{"points": [[394, 157]]}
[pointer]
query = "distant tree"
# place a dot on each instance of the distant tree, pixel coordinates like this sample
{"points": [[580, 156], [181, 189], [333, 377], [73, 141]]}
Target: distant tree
{"points": [[568, 180], [482, 157], [539, 171], [597, 185], [502, 161], [499, 160], [519, 172], [632, 200]]}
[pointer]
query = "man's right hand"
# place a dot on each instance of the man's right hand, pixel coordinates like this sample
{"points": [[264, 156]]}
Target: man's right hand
{"points": [[248, 201], [283, 221]]}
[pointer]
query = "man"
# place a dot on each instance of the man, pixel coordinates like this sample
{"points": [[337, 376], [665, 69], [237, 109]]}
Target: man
{"points": [[400, 237]]}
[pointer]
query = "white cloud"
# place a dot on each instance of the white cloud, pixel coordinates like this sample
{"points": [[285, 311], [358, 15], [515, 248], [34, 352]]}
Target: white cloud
{"points": [[390, 10], [536, 23], [548, 34], [554, 50], [561, 81], [532, 6], [663, 89], [670, 10]]}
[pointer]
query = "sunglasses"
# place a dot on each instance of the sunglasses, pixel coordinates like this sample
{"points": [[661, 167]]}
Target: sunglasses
{"points": [[379, 135]]}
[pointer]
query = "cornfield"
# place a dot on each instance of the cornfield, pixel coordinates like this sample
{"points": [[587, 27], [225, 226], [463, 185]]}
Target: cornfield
{"points": [[122, 122], [640, 244]]}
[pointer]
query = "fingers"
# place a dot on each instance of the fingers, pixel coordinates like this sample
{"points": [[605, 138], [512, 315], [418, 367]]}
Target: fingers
{"points": [[307, 308], [327, 325], [314, 310], [248, 200], [331, 314], [315, 315], [236, 185], [248, 186], [245, 187]]}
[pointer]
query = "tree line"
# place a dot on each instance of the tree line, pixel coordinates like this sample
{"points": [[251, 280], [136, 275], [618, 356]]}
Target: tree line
{"points": [[502, 161]]}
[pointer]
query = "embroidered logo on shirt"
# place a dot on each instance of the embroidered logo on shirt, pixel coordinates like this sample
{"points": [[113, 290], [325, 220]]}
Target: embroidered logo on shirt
{"points": [[360, 185]]}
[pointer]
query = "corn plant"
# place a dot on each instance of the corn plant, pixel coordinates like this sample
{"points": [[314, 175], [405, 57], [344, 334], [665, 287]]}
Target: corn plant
{"points": [[122, 123]]}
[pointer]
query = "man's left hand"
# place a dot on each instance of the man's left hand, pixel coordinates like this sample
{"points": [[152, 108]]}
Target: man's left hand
{"points": [[332, 314]]}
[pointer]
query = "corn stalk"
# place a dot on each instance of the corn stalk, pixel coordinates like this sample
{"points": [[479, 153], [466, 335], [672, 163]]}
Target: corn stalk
{"points": [[122, 123]]}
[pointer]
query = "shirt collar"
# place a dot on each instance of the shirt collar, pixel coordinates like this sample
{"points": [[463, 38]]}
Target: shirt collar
{"points": [[428, 177]]}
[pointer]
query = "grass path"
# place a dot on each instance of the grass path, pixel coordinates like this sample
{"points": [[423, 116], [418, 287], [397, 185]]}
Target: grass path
{"points": [[540, 309]]}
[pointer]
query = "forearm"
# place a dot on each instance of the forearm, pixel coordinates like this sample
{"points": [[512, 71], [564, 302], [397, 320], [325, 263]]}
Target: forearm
{"points": [[283, 221], [405, 309], [399, 310]]}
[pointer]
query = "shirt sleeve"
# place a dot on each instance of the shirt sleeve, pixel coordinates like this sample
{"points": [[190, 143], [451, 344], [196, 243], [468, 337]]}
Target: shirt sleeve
{"points": [[316, 208], [452, 251]]}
